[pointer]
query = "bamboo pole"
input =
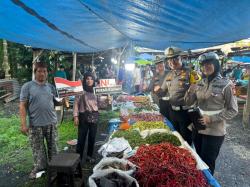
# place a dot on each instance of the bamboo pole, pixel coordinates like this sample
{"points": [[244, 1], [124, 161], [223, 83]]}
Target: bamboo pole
{"points": [[74, 67], [246, 111]]}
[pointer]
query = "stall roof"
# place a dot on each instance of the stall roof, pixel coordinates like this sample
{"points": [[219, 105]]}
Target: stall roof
{"points": [[89, 26]]}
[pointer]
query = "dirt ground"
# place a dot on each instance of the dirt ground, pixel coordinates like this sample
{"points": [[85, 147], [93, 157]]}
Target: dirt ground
{"points": [[233, 163], [232, 169]]}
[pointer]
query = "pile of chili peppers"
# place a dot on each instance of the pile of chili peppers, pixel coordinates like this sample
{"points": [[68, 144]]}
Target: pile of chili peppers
{"points": [[164, 165]]}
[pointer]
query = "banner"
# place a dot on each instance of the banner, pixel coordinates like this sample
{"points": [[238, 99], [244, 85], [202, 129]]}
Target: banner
{"points": [[107, 82], [108, 90], [67, 88]]}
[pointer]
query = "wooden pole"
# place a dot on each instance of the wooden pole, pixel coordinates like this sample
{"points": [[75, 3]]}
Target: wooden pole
{"points": [[74, 67], [246, 111], [6, 65], [36, 55]]}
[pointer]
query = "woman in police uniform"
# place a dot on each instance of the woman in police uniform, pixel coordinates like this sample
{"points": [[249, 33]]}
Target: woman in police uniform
{"points": [[215, 99]]}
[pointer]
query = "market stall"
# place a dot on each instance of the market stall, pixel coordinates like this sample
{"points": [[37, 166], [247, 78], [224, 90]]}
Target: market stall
{"points": [[144, 149]]}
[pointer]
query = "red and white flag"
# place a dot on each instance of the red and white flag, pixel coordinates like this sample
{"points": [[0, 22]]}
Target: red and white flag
{"points": [[68, 88]]}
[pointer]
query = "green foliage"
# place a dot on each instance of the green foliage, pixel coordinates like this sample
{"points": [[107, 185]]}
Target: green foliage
{"points": [[20, 60], [66, 131], [15, 147]]}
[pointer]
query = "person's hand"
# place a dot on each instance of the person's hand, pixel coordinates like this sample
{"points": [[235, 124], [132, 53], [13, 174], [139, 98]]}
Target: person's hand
{"points": [[157, 88], [76, 121], [24, 130], [192, 88], [205, 120], [144, 87]]}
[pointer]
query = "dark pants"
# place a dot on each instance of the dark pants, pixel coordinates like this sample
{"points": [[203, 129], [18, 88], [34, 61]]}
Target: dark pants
{"points": [[137, 88], [165, 108], [181, 121], [208, 148], [85, 128]]}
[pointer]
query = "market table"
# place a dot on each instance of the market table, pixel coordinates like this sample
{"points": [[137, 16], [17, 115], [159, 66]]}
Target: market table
{"points": [[114, 125]]}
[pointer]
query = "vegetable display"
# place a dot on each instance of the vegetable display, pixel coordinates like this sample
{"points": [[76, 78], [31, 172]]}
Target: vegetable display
{"points": [[139, 99], [143, 125], [145, 106], [146, 117], [134, 139], [162, 137], [166, 165], [132, 136]]}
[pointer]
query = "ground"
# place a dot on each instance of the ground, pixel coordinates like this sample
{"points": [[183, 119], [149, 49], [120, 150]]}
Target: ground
{"points": [[232, 169]]}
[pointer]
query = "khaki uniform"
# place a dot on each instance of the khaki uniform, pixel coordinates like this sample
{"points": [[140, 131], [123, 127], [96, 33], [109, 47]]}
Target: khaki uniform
{"points": [[215, 100], [177, 82], [157, 80]]}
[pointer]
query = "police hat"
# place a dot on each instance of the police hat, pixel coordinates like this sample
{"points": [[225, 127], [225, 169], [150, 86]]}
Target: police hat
{"points": [[159, 59], [172, 52]]}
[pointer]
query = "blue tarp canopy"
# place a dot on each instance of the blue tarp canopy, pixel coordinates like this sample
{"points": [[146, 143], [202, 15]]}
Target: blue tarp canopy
{"points": [[244, 59], [96, 25]]}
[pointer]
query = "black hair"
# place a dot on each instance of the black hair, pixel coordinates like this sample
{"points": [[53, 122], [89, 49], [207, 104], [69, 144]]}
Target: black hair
{"points": [[84, 82], [61, 66], [40, 65]]}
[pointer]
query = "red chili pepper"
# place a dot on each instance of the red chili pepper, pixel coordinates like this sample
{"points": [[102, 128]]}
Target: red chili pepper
{"points": [[167, 165]]}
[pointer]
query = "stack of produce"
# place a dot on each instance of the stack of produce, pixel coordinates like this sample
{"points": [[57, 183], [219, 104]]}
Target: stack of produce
{"points": [[132, 136], [146, 106], [162, 137], [134, 139], [141, 99], [146, 117], [137, 99], [143, 125], [166, 165]]}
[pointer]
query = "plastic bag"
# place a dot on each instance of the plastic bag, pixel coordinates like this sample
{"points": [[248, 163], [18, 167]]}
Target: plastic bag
{"points": [[114, 145], [97, 177], [115, 163], [149, 132]]}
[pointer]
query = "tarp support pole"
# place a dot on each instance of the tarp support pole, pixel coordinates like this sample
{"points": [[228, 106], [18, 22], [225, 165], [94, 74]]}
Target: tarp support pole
{"points": [[6, 66], [36, 54], [74, 67], [246, 110]]}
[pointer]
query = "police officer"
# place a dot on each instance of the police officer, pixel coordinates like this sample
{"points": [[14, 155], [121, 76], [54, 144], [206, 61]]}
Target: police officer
{"points": [[157, 81], [215, 99], [177, 82]]}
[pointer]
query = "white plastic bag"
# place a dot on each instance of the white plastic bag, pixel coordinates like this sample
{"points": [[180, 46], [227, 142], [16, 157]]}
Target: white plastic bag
{"points": [[102, 173], [110, 162], [115, 145], [149, 132]]}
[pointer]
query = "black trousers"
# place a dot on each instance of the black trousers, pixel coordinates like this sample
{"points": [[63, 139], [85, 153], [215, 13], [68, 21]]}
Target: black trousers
{"points": [[165, 108], [85, 128], [208, 148], [181, 121]]}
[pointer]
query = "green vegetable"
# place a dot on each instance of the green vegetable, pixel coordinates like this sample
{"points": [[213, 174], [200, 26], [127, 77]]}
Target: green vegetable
{"points": [[163, 137], [143, 125], [132, 136]]}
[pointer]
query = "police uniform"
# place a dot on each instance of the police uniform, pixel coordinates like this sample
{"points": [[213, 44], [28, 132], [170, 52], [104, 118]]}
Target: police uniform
{"points": [[214, 98], [177, 83], [162, 99]]}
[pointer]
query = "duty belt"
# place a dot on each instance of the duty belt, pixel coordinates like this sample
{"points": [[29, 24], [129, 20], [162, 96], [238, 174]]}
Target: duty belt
{"points": [[165, 98], [178, 108], [210, 113]]}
